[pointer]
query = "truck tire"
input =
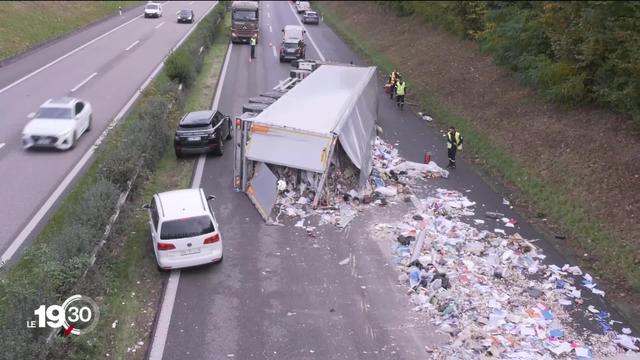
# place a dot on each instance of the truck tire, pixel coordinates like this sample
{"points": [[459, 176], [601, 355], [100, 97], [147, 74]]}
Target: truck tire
{"points": [[220, 149]]}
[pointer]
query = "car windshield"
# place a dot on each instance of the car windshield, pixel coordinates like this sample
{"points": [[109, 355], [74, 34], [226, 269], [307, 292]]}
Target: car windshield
{"points": [[54, 113], [244, 15], [291, 45], [182, 228], [311, 13], [151, 7], [185, 12]]}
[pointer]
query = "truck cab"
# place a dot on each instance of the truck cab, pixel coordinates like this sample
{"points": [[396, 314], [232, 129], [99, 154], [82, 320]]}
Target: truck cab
{"points": [[244, 20], [292, 46]]}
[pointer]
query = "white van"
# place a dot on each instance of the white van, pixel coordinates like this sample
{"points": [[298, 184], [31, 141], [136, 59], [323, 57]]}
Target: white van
{"points": [[293, 32]]}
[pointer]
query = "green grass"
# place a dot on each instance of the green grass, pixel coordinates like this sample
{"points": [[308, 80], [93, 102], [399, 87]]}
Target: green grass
{"points": [[24, 24], [545, 197], [136, 262]]}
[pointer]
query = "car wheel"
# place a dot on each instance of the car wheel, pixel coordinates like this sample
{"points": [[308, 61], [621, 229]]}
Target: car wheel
{"points": [[89, 124], [220, 149], [178, 153], [230, 136], [281, 59], [73, 141]]}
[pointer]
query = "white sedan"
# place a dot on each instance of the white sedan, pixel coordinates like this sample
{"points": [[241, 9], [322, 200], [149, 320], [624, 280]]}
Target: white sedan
{"points": [[58, 124]]}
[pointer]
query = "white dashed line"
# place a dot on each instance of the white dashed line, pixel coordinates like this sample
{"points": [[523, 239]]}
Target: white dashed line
{"points": [[84, 82], [66, 55], [132, 45], [2, 145], [158, 26], [270, 28], [275, 53], [191, 3], [269, 15]]}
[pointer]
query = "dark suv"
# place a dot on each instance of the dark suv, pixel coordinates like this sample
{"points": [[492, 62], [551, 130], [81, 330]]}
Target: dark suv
{"points": [[201, 132]]}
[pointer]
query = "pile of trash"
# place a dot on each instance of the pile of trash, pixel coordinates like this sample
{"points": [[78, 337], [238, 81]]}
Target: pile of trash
{"points": [[491, 292], [391, 177]]}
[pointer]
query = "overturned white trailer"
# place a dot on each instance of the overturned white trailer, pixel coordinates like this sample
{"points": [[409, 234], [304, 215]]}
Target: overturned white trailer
{"points": [[335, 105]]}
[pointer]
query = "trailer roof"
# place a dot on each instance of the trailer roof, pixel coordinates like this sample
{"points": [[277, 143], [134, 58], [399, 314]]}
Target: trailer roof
{"points": [[319, 102]]}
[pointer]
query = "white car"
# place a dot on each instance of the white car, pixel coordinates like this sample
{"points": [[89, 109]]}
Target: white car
{"points": [[302, 6], [153, 10], [58, 124], [184, 230]]}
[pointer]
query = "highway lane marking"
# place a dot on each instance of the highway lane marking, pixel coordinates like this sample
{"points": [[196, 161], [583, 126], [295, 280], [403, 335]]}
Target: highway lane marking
{"points": [[171, 290], [275, 54], [158, 26], [191, 3], [65, 56], [269, 15], [31, 225], [308, 33], [2, 145], [84, 82], [132, 45], [270, 28]]}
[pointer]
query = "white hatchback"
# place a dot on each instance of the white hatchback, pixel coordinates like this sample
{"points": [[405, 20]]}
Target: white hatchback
{"points": [[58, 124], [184, 230]]}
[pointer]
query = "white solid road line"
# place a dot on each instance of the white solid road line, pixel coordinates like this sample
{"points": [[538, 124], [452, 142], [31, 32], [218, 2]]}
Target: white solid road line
{"points": [[65, 56], [275, 54], [132, 45], [158, 26], [308, 33], [24, 234], [169, 297], [84, 82], [191, 3]]}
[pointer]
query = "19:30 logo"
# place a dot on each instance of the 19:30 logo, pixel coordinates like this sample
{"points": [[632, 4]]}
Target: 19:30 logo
{"points": [[78, 315]]}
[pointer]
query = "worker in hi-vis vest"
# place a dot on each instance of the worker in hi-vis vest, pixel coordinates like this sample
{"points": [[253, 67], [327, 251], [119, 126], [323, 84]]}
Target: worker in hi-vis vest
{"points": [[401, 91], [454, 143], [252, 42]]}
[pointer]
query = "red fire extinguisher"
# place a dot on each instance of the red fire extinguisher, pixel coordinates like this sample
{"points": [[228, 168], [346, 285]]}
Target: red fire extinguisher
{"points": [[427, 157]]}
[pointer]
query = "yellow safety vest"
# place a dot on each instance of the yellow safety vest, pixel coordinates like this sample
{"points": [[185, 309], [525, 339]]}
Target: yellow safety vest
{"points": [[400, 88], [458, 140]]}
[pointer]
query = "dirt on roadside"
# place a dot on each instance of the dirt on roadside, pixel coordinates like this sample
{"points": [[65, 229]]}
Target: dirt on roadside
{"points": [[590, 154]]}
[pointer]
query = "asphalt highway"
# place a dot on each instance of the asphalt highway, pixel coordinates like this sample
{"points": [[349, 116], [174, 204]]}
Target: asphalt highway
{"points": [[280, 294], [105, 64]]}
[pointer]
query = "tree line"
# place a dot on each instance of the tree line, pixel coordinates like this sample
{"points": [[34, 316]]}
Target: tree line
{"points": [[572, 52]]}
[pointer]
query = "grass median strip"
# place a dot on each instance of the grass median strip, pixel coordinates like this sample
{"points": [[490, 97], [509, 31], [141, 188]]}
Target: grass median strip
{"points": [[124, 277], [24, 24], [590, 236]]}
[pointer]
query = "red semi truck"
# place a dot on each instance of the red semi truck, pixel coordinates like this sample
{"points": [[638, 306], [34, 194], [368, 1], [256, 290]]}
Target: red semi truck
{"points": [[244, 20]]}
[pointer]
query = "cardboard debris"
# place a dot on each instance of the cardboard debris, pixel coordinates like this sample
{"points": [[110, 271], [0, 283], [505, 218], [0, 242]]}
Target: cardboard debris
{"points": [[490, 291]]}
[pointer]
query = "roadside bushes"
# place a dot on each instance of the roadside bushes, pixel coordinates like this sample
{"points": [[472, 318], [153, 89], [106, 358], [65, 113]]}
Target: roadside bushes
{"points": [[52, 266], [572, 52]]}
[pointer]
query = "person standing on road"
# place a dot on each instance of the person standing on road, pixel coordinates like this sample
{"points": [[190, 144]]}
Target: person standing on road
{"points": [[393, 78], [454, 143], [401, 91], [253, 42]]}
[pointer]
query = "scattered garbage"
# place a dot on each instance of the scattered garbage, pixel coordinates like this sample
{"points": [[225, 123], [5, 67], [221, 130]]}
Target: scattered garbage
{"points": [[490, 291]]}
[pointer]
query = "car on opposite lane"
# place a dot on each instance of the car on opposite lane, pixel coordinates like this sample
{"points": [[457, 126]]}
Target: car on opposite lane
{"points": [[311, 17], [201, 132], [186, 16], [184, 230], [152, 10], [58, 124]]}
